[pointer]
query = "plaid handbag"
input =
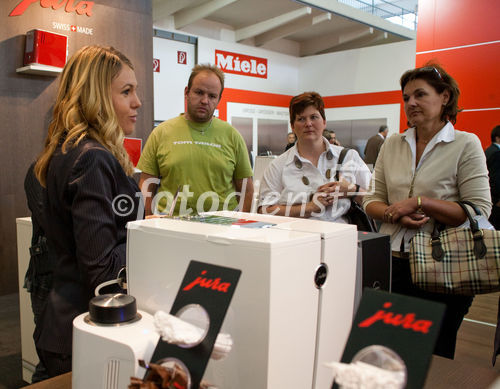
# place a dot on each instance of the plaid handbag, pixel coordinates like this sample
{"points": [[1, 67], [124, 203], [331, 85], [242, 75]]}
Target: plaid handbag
{"points": [[463, 261]]}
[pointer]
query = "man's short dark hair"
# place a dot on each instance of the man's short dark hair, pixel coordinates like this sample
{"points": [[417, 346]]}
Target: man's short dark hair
{"points": [[495, 133], [382, 128], [206, 68]]}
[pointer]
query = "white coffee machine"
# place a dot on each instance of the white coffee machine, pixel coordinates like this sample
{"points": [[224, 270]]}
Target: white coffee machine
{"points": [[108, 342], [293, 307]]}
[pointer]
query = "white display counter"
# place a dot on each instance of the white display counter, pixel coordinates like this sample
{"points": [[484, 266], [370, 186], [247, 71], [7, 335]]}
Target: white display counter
{"points": [[284, 327]]}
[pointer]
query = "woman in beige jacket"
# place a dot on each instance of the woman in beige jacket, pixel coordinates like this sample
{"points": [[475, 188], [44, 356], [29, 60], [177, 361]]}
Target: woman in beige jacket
{"points": [[418, 177]]}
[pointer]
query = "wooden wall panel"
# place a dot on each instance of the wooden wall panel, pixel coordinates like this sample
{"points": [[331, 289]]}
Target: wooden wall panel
{"points": [[26, 100]]}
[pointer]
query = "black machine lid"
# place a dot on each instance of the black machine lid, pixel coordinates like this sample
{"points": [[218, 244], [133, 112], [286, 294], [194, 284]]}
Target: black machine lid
{"points": [[113, 308]]}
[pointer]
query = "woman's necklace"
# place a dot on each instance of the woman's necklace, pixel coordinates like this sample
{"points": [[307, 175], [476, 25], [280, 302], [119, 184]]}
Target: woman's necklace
{"points": [[202, 130]]}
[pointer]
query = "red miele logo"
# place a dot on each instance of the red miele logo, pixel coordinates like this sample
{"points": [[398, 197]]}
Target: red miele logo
{"points": [[241, 64], [81, 7], [398, 320], [208, 283]]}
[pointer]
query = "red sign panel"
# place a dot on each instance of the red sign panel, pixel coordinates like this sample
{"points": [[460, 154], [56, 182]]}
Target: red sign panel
{"points": [[156, 65], [80, 7], [133, 147], [182, 57], [241, 64]]}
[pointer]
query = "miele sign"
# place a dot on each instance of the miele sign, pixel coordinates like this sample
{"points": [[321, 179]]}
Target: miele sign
{"points": [[80, 7], [241, 64]]}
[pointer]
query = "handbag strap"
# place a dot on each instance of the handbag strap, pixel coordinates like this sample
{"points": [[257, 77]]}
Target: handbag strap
{"points": [[342, 155], [472, 205], [437, 248], [477, 234], [343, 152]]}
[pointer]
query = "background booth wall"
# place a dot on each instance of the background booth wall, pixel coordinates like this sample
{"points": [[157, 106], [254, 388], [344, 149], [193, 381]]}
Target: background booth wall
{"points": [[464, 37], [26, 100], [357, 85], [361, 77]]}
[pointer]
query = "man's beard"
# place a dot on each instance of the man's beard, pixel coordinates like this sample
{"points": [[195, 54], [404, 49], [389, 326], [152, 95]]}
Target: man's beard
{"points": [[198, 116]]}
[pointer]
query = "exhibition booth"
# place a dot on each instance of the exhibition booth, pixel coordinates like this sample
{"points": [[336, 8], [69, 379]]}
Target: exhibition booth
{"points": [[253, 300]]}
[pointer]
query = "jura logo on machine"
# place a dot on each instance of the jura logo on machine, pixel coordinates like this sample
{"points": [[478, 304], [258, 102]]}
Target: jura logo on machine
{"points": [[241, 64], [80, 7], [406, 321], [208, 283]]}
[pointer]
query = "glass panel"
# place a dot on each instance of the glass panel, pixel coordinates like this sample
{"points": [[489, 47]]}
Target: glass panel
{"points": [[272, 136], [355, 133], [244, 127]]}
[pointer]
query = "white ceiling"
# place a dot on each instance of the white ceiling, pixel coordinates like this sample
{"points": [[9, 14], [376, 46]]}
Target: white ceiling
{"points": [[296, 27]]}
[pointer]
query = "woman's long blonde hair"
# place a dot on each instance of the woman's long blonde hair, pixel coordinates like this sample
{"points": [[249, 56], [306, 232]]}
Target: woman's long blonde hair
{"points": [[84, 107]]}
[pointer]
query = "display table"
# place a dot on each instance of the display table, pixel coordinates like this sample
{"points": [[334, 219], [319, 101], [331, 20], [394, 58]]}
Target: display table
{"points": [[444, 373]]}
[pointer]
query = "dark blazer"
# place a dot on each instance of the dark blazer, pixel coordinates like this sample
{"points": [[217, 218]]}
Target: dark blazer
{"points": [[86, 227], [372, 149], [493, 163]]}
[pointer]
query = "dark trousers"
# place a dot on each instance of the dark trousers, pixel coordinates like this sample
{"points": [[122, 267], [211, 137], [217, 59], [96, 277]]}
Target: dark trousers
{"points": [[38, 302], [51, 364], [456, 306], [55, 363], [495, 217]]}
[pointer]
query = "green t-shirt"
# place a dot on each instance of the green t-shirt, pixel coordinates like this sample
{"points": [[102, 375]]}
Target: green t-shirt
{"points": [[203, 159]]}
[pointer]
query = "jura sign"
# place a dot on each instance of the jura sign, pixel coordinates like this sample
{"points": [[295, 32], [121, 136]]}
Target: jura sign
{"points": [[80, 7], [241, 64]]}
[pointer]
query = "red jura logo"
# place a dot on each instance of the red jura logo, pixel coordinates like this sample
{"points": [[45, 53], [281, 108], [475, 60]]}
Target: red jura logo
{"points": [[82, 7], [398, 320], [241, 64], [208, 283]]}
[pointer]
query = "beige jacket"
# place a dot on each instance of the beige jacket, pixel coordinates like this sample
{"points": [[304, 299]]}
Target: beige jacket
{"points": [[452, 167]]}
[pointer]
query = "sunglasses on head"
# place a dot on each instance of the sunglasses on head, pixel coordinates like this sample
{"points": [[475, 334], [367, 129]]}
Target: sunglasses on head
{"points": [[430, 69]]}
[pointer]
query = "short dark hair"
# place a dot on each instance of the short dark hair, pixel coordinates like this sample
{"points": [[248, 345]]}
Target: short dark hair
{"points": [[495, 133], [299, 103], [200, 68], [382, 128], [440, 80]]}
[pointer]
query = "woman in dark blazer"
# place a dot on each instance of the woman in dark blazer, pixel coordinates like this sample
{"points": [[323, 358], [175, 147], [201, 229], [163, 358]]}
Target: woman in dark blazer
{"points": [[90, 193]]}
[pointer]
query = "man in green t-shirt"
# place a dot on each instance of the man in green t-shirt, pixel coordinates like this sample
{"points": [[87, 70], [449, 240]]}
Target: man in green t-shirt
{"points": [[196, 156]]}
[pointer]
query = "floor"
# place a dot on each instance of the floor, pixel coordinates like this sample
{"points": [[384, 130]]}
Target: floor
{"points": [[10, 343], [474, 346]]}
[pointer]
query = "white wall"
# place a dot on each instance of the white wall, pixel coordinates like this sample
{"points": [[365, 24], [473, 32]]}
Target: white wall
{"points": [[283, 70], [170, 81], [370, 69]]}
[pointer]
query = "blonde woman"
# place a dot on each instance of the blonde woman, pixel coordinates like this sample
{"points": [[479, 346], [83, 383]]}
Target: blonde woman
{"points": [[90, 194]]}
